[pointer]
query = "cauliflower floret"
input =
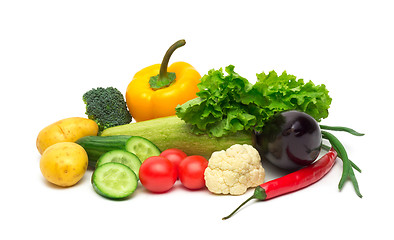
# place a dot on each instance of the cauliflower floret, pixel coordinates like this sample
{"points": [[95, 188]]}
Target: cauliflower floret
{"points": [[234, 170]]}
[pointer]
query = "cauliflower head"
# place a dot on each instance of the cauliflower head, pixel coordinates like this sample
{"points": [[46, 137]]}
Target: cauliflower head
{"points": [[234, 170]]}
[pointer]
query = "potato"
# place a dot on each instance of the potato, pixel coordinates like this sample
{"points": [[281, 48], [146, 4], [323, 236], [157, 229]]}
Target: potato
{"points": [[64, 164], [66, 130]]}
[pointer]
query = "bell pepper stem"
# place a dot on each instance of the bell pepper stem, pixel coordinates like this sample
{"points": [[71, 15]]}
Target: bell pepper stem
{"points": [[164, 78], [167, 56]]}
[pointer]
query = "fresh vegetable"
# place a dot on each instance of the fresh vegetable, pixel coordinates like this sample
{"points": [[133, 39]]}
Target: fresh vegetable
{"points": [[175, 156], [64, 163], [234, 170], [157, 174], [65, 130], [228, 104], [191, 172], [114, 180], [121, 156], [347, 172], [107, 107], [342, 129], [293, 181], [290, 140], [228, 109], [96, 146], [156, 90], [142, 147], [172, 132]]}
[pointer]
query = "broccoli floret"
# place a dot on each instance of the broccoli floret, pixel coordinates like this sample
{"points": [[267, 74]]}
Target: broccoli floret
{"points": [[107, 107]]}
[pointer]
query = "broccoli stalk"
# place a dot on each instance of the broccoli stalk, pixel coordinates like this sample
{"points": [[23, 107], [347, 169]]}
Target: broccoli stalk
{"points": [[107, 107]]}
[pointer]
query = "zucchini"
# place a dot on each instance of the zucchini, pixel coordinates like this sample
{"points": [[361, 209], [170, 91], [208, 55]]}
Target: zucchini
{"points": [[173, 132], [96, 146]]}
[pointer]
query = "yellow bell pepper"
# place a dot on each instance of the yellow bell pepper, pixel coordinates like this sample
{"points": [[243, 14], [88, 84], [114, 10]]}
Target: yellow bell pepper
{"points": [[156, 90]]}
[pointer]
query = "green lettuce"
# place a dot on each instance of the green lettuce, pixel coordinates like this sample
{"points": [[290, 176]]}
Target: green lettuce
{"points": [[229, 103]]}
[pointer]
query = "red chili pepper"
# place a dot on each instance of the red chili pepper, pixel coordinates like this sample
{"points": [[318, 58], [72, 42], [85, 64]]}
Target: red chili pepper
{"points": [[293, 181]]}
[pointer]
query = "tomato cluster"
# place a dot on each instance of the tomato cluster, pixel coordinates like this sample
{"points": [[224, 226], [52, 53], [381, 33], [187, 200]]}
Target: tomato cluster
{"points": [[159, 173]]}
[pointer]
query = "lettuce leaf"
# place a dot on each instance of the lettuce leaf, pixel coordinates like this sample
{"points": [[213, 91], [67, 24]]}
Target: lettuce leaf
{"points": [[229, 103]]}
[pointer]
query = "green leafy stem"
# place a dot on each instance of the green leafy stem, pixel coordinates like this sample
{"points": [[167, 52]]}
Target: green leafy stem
{"points": [[348, 165]]}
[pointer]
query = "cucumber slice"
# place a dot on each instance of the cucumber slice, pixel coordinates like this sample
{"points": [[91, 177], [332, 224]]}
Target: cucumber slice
{"points": [[142, 147], [114, 180], [121, 156]]}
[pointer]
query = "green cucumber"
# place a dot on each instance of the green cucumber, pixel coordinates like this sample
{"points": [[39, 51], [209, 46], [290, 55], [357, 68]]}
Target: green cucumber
{"points": [[114, 180], [121, 156], [96, 146], [173, 132], [142, 147]]}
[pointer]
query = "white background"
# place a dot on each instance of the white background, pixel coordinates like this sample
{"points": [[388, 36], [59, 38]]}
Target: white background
{"points": [[51, 52]]}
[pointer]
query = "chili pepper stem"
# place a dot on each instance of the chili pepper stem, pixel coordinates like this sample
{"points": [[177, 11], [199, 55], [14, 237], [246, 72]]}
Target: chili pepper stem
{"points": [[239, 207], [259, 193], [164, 64]]}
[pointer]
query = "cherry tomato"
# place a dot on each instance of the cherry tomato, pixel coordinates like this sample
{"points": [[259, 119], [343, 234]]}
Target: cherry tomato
{"points": [[191, 172], [157, 174], [175, 156]]}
